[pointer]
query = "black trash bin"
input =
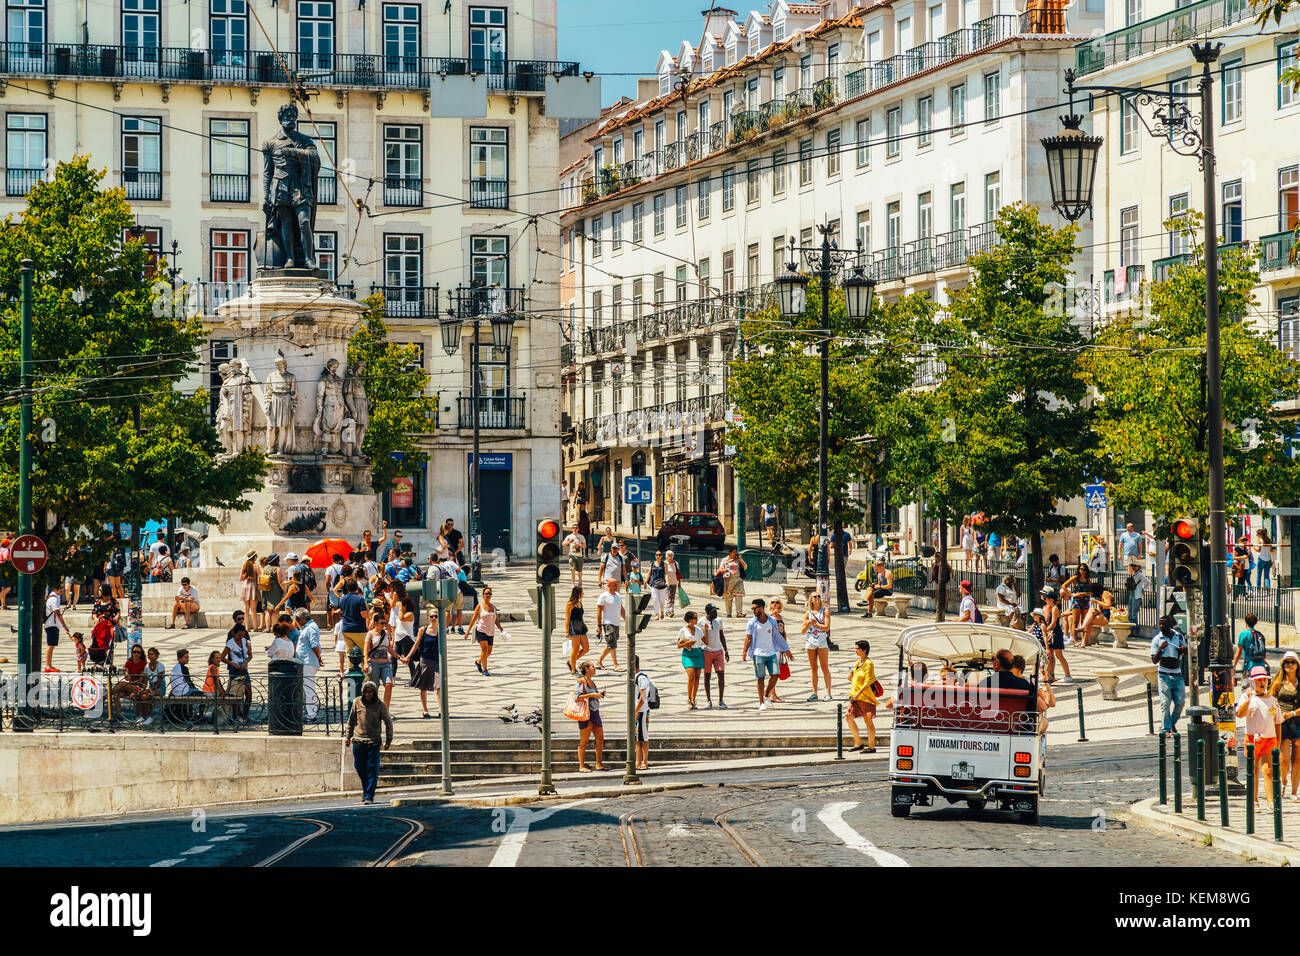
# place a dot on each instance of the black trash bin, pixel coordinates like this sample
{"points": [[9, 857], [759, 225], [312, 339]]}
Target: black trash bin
{"points": [[284, 698]]}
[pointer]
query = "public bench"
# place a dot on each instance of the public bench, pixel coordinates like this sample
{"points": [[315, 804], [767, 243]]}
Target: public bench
{"points": [[1108, 677]]}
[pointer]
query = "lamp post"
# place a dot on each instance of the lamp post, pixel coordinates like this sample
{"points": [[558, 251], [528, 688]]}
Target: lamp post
{"points": [[824, 261], [1071, 165], [473, 303]]}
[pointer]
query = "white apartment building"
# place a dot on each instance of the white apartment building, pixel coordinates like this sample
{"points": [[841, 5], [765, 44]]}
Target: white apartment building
{"points": [[905, 123], [175, 100], [1142, 182]]}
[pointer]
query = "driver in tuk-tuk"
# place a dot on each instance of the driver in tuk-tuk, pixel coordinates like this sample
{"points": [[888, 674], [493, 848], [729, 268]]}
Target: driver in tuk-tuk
{"points": [[1003, 677]]}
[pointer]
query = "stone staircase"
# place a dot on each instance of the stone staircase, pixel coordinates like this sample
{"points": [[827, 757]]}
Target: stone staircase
{"points": [[419, 763]]}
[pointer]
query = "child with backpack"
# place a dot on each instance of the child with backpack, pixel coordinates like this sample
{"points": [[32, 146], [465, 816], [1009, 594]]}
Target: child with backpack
{"points": [[1252, 649], [647, 699]]}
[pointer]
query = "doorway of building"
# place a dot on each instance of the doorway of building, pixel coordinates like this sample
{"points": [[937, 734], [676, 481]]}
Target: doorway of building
{"points": [[495, 509]]}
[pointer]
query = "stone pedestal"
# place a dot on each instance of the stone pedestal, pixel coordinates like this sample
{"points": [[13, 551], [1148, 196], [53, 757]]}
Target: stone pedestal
{"points": [[291, 333]]}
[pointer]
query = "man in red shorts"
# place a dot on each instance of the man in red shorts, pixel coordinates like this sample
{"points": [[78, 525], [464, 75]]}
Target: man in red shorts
{"points": [[716, 654]]}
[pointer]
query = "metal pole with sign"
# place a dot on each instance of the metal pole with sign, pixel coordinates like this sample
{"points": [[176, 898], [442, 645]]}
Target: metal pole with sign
{"points": [[28, 650], [638, 491]]}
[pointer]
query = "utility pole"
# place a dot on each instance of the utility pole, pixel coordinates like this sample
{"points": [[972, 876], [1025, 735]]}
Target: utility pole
{"points": [[28, 650], [546, 611], [635, 622]]}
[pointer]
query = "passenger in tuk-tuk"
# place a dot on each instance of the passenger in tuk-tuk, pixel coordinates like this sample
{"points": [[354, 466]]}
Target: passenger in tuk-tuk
{"points": [[1003, 677], [1046, 696]]}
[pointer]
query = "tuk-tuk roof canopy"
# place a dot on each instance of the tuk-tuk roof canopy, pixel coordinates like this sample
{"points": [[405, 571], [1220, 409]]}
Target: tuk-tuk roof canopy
{"points": [[955, 641]]}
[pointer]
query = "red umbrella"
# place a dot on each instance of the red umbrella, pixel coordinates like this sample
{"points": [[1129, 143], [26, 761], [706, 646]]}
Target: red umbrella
{"points": [[321, 554]]}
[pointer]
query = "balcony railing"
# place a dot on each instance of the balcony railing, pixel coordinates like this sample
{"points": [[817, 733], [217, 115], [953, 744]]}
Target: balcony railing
{"points": [[745, 125], [1277, 251], [825, 93], [142, 184], [408, 301], [19, 182], [1175, 28], [327, 190], [105, 61], [1163, 269], [855, 84], [918, 257], [204, 296], [679, 318], [489, 194], [494, 411], [403, 191], [487, 301], [229, 187], [643, 424]]}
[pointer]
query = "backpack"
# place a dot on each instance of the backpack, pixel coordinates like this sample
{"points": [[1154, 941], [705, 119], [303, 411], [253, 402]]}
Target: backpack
{"points": [[1258, 646], [308, 576], [264, 579], [651, 692]]}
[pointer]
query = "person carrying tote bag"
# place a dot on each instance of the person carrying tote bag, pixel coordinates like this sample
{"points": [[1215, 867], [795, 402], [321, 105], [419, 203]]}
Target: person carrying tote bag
{"points": [[672, 579]]}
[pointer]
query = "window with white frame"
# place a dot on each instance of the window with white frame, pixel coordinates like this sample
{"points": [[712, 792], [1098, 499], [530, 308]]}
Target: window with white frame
{"points": [[229, 262], [1288, 198], [778, 172], [992, 96], [1130, 242], [660, 203], [227, 30], [1231, 84], [1234, 214], [752, 268], [893, 124], [325, 136], [1286, 61], [957, 109], [142, 158], [616, 230], [805, 161], [704, 195], [403, 165], [228, 155], [1132, 12], [638, 223], [489, 261], [893, 227], [1129, 131], [957, 205], [593, 233], [315, 35], [682, 199], [327, 244], [753, 181], [924, 119], [1179, 242], [992, 195], [728, 189], [863, 139], [1288, 326], [833, 152], [864, 230], [924, 216]]}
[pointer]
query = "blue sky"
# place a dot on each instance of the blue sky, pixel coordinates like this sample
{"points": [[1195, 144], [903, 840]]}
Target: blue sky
{"points": [[625, 36]]}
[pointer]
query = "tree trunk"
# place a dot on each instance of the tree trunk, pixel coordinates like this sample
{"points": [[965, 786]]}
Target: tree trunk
{"points": [[841, 581], [941, 572]]}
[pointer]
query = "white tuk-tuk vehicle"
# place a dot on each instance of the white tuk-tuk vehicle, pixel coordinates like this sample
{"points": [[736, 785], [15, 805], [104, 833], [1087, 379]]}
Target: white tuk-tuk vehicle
{"points": [[962, 736]]}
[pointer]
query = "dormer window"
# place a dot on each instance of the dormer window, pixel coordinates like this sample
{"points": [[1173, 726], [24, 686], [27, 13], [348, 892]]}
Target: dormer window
{"points": [[731, 53], [665, 82], [778, 31], [753, 43]]}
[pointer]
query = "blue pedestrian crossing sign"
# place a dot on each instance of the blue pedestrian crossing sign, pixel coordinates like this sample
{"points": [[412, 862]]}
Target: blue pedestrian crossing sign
{"points": [[1095, 496], [638, 489]]}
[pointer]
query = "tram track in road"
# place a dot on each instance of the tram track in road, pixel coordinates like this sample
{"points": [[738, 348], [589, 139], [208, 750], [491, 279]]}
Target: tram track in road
{"points": [[414, 829], [321, 829], [388, 857], [632, 855]]}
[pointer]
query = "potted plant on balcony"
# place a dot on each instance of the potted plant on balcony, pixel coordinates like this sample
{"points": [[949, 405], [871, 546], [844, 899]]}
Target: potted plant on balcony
{"points": [[609, 178]]}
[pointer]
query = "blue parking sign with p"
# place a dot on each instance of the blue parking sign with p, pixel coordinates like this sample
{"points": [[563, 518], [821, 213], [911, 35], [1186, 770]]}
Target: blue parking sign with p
{"points": [[638, 489]]}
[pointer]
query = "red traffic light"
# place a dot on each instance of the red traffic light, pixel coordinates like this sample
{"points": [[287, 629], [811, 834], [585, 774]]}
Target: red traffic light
{"points": [[1184, 529], [548, 528]]}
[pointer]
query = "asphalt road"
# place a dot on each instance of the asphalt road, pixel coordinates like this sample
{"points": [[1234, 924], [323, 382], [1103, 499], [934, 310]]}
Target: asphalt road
{"points": [[822, 816]]}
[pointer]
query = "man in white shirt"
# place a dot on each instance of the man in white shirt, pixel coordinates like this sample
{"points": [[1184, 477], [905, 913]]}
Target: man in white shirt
{"points": [[180, 684], [576, 545], [610, 616], [187, 603], [281, 648], [53, 624], [1141, 584], [716, 654], [308, 653], [643, 685], [764, 642]]}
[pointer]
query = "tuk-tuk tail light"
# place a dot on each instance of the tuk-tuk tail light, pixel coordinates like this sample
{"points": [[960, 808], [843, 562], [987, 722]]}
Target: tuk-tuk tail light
{"points": [[1024, 758], [905, 750], [1022, 771], [905, 764]]}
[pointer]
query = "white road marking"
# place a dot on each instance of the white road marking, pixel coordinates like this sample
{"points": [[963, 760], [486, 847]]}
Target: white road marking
{"points": [[167, 862], [512, 844], [679, 829], [220, 839], [194, 850], [832, 816]]}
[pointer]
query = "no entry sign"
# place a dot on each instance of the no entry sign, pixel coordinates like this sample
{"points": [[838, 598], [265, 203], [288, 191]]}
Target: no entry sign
{"points": [[28, 553]]}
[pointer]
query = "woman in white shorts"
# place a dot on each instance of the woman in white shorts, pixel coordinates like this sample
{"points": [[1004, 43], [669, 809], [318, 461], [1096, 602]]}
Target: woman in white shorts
{"points": [[817, 637], [672, 577]]}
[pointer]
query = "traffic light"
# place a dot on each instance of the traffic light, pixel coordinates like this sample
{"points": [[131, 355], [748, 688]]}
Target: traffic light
{"points": [[541, 608], [638, 619], [1185, 556], [548, 551]]}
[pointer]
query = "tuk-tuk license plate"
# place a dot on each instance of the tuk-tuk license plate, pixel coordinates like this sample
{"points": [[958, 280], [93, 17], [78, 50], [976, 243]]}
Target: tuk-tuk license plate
{"points": [[963, 771]]}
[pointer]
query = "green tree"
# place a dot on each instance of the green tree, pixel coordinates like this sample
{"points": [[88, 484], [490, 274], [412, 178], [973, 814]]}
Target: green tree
{"points": [[1150, 367], [400, 410], [1007, 431], [109, 355], [778, 388]]}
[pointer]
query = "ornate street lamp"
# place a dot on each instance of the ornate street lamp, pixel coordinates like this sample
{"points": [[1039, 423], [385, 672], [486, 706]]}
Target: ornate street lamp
{"points": [[1071, 161], [502, 329], [449, 325], [793, 291], [1072, 168], [858, 291]]}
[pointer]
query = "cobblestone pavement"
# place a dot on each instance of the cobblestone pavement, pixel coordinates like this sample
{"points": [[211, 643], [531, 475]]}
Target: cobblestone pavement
{"points": [[516, 672], [824, 816]]}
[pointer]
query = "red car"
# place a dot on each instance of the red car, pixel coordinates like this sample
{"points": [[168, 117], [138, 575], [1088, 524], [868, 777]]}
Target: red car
{"points": [[701, 529]]}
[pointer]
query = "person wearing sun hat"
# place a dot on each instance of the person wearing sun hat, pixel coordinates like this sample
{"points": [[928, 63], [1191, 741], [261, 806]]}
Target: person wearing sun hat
{"points": [[1285, 686], [1263, 728]]}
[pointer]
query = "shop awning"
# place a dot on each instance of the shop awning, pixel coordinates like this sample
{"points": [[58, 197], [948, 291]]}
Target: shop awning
{"points": [[586, 460]]}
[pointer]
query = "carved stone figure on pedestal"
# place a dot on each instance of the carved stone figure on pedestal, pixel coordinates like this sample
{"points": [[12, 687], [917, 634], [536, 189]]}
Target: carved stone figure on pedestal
{"points": [[349, 438], [281, 390], [235, 408], [330, 409], [290, 165], [358, 405]]}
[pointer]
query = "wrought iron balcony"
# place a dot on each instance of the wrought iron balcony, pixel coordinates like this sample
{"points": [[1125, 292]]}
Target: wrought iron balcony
{"points": [[468, 302], [1163, 269], [494, 411], [668, 321], [142, 184], [1175, 28], [1277, 251], [327, 190], [403, 191], [258, 67], [19, 182], [408, 301], [229, 187], [489, 194]]}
